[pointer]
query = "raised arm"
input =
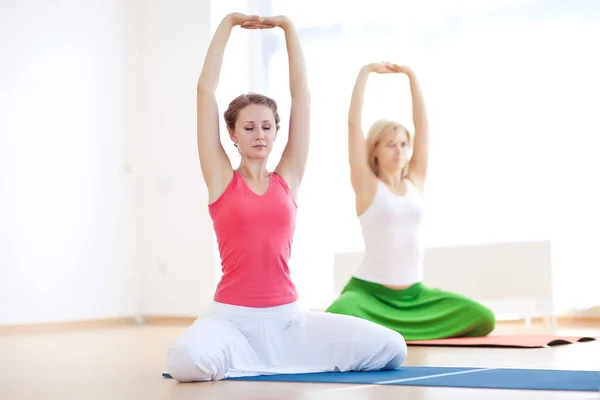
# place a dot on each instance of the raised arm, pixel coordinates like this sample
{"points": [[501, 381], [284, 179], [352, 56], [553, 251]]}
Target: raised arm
{"points": [[215, 165], [420, 159], [360, 172], [357, 144], [293, 160]]}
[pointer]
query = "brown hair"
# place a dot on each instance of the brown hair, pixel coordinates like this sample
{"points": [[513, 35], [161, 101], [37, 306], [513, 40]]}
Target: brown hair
{"points": [[242, 101]]}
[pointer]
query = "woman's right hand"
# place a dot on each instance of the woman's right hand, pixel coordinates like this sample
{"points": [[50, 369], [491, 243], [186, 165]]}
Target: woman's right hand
{"points": [[382, 68], [248, 21], [239, 18]]}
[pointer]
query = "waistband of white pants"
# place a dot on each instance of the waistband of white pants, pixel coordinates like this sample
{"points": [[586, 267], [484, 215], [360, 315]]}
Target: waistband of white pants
{"points": [[230, 309]]}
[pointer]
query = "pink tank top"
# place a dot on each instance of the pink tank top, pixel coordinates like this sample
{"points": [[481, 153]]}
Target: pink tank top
{"points": [[255, 234]]}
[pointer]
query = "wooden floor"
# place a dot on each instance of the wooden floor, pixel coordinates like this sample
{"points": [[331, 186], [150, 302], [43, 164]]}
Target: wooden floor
{"points": [[126, 363]]}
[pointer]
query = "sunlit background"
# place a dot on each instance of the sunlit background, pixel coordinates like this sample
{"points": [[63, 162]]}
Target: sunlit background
{"points": [[102, 204]]}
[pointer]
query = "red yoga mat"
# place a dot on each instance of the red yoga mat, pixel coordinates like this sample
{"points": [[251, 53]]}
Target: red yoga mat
{"points": [[514, 341]]}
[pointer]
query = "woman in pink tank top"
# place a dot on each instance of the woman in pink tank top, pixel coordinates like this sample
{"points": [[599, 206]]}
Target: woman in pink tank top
{"points": [[255, 325]]}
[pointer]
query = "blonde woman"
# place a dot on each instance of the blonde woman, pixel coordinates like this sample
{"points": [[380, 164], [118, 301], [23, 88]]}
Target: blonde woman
{"points": [[388, 172]]}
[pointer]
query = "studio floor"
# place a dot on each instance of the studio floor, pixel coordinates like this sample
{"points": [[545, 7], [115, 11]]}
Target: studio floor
{"points": [[125, 362]]}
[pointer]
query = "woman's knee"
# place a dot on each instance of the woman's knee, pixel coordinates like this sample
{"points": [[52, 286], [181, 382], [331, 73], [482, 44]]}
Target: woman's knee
{"points": [[395, 350], [388, 350], [486, 321], [182, 365], [192, 363]]}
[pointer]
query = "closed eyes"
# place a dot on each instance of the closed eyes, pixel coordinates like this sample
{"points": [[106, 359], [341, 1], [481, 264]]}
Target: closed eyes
{"points": [[392, 144]]}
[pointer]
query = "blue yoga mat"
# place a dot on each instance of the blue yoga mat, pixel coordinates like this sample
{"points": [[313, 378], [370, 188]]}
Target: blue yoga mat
{"points": [[484, 378]]}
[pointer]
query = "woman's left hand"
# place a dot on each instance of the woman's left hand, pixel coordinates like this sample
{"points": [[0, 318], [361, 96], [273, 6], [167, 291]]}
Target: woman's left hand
{"points": [[403, 69], [280, 21], [259, 24]]}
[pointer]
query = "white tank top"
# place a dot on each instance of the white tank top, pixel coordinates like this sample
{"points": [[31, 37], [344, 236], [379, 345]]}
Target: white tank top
{"points": [[392, 232]]}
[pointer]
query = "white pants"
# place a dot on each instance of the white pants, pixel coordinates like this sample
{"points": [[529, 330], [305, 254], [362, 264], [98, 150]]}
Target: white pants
{"points": [[233, 341]]}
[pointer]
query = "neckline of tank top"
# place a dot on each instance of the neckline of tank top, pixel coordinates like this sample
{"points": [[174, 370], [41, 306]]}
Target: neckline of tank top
{"points": [[236, 175], [410, 186], [239, 176]]}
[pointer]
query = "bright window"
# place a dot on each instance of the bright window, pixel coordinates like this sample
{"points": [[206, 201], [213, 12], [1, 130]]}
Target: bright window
{"points": [[512, 91]]}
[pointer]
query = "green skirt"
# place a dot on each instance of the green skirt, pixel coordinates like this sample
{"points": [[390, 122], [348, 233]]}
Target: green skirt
{"points": [[417, 312]]}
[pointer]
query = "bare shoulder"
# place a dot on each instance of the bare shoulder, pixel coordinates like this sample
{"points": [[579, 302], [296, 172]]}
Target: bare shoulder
{"points": [[292, 183]]}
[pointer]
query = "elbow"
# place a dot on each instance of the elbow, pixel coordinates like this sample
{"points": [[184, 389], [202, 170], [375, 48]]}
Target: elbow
{"points": [[203, 90], [299, 88], [300, 95], [204, 87], [355, 118], [205, 95], [354, 124]]}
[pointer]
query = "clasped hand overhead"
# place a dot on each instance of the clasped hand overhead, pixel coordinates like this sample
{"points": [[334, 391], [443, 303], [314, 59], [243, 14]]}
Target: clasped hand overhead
{"points": [[258, 22]]}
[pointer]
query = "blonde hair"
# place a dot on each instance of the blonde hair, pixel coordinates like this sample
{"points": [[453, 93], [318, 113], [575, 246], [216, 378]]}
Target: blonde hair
{"points": [[376, 133]]}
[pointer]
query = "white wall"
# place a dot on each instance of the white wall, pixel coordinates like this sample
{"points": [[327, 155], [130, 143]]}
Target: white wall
{"points": [[112, 194], [176, 250], [66, 202]]}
